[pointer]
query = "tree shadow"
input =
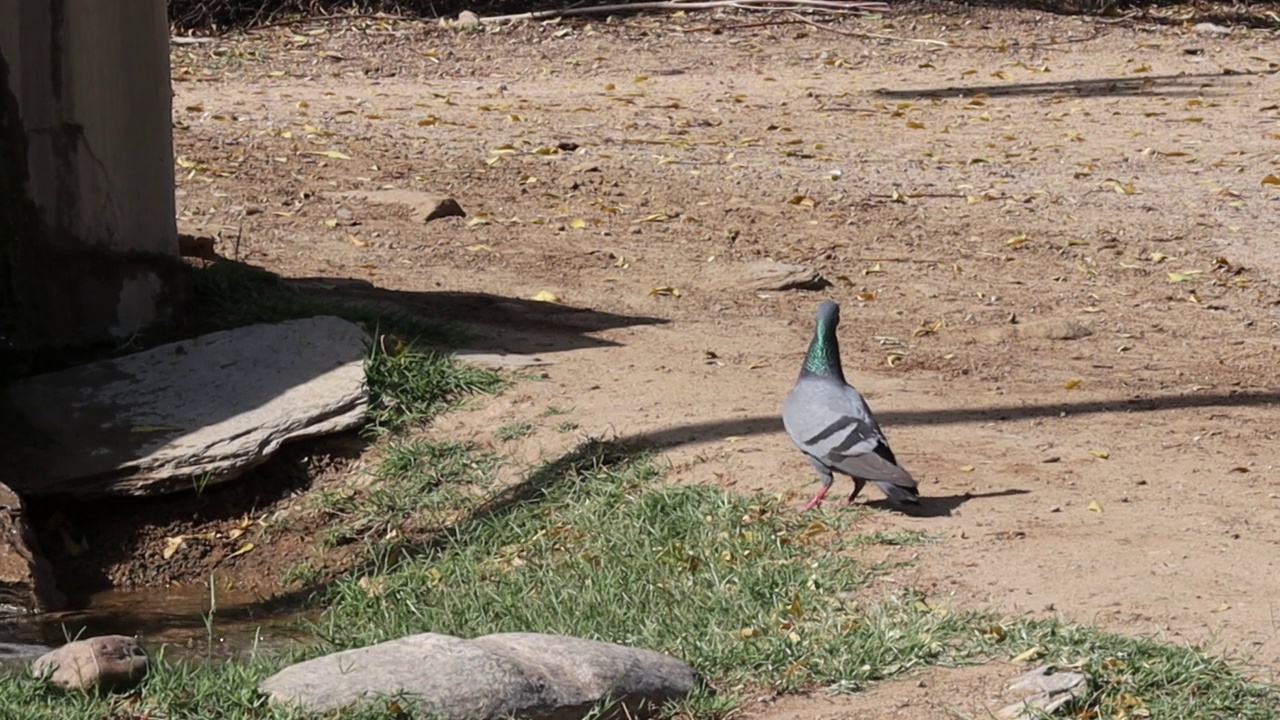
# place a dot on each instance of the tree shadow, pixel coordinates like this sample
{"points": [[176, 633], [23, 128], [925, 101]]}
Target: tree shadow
{"points": [[494, 322], [1188, 85], [713, 430]]}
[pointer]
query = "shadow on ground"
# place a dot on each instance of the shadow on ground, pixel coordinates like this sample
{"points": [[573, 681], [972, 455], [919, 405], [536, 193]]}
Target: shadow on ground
{"points": [[713, 430], [495, 323], [1188, 85]]}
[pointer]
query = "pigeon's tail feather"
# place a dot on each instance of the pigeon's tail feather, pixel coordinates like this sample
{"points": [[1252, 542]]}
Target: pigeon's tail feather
{"points": [[899, 494]]}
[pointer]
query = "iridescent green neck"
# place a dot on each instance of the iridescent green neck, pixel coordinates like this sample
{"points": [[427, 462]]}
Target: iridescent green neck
{"points": [[824, 351]]}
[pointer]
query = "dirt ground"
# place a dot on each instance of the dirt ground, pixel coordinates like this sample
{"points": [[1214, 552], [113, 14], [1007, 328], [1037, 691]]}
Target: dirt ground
{"points": [[975, 186]]}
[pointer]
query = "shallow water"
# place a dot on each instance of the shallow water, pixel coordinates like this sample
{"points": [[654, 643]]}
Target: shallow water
{"points": [[178, 619]]}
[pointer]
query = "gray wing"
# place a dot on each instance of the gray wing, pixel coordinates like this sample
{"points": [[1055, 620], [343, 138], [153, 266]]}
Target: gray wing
{"points": [[834, 425]]}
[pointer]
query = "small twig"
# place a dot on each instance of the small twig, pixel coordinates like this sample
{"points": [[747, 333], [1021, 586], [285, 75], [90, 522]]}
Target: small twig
{"points": [[849, 6], [741, 26], [874, 36], [925, 261], [328, 19]]}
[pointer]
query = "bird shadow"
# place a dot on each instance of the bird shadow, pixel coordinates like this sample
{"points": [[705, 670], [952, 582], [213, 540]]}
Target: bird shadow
{"points": [[942, 505]]}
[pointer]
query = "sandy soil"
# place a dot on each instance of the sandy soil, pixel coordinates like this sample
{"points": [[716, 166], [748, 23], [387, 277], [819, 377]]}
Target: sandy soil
{"points": [[974, 190]]}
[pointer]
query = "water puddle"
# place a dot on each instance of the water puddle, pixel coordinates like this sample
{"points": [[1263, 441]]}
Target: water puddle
{"points": [[182, 620]]}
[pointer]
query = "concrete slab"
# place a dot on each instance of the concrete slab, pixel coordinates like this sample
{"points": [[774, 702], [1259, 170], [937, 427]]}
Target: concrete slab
{"points": [[186, 414]]}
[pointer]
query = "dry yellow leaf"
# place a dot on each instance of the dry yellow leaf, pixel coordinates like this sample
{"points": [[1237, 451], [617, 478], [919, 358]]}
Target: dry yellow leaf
{"points": [[332, 154], [577, 223], [1095, 506], [665, 290], [1185, 275], [1272, 180], [1072, 384], [546, 296], [171, 546], [1026, 655], [1100, 454], [967, 468], [243, 549]]}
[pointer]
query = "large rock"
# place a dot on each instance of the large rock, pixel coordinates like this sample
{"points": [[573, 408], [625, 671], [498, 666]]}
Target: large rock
{"points": [[544, 677], [107, 661], [1043, 691], [26, 578], [186, 414], [770, 275]]}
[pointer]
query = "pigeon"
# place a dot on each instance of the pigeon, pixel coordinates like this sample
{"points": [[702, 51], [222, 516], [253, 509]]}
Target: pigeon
{"points": [[833, 426]]}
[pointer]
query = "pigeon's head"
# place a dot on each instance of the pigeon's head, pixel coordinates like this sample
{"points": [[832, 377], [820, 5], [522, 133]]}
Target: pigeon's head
{"points": [[829, 313]]}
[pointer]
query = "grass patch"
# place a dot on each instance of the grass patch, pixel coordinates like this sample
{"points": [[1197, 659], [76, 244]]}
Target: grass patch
{"points": [[514, 430], [748, 591], [229, 295], [743, 588], [406, 385], [417, 489], [411, 387]]}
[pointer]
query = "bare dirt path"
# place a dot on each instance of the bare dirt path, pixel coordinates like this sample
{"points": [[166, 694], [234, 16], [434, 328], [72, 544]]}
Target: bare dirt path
{"points": [[1034, 170]]}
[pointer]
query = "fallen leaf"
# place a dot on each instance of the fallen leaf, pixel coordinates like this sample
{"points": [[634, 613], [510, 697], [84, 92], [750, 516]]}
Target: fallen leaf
{"points": [[577, 223], [171, 545], [665, 290], [1095, 506], [1026, 655], [333, 154], [967, 468], [1072, 384], [1185, 275], [1240, 469], [372, 586], [546, 296], [1100, 454], [244, 549], [1273, 180]]}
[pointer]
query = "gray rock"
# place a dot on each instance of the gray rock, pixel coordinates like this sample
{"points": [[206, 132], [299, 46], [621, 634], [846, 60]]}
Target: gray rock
{"points": [[501, 361], [189, 413], [107, 661], [1207, 28], [544, 677], [769, 275], [1048, 329], [423, 207], [1044, 690], [26, 577]]}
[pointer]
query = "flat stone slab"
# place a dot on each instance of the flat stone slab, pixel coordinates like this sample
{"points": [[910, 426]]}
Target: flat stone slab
{"points": [[185, 414], [527, 675]]}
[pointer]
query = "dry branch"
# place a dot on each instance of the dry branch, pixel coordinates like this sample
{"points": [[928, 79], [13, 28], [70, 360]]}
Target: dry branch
{"points": [[855, 7]]}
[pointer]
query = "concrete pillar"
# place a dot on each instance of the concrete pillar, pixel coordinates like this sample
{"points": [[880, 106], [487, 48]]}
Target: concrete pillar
{"points": [[89, 83]]}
